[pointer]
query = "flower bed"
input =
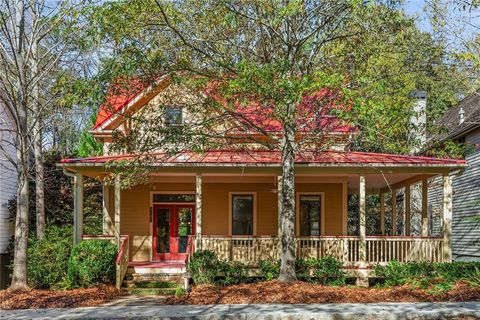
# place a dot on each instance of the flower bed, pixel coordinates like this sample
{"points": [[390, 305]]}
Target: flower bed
{"points": [[38, 299], [303, 292]]}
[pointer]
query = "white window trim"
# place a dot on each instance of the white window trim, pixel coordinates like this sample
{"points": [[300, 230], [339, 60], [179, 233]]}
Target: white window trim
{"points": [[322, 211], [230, 212]]}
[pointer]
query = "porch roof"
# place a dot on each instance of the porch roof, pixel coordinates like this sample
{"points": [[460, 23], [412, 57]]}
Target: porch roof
{"points": [[274, 159]]}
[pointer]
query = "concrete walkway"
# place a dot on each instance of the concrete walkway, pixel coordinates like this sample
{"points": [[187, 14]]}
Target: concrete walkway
{"points": [[390, 311]]}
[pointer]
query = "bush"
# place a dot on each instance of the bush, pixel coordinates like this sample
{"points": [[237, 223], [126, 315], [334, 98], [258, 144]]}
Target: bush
{"points": [[326, 271], [206, 268], [91, 262], [426, 274], [48, 258], [232, 273], [269, 269]]}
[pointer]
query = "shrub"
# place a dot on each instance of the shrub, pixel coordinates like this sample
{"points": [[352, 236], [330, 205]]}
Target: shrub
{"points": [[204, 266], [328, 271], [426, 274], [269, 269], [48, 258], [91, 262], [232, 273]]}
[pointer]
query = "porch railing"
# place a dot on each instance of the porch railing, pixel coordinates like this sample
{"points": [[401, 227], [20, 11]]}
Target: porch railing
{"points": [[121, 263], [342, 248]]}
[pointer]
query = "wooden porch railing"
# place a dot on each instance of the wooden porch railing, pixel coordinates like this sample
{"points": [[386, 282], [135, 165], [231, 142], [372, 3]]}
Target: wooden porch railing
{"points": [[121, 263], [342, 248]]}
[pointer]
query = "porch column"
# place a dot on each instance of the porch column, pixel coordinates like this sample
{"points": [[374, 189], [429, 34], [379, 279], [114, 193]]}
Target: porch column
{"points": [[77, 208], [424, 207], [118, 191], [394, 212], [407, 210], [362, 249], [198, 211], [447, 218], [107, 221], [382, 213]]}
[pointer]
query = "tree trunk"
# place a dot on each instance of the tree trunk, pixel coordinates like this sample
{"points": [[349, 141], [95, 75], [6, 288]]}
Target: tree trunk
{"points": [[37, 142], [19, 277], [287, 267], [39, 181]]}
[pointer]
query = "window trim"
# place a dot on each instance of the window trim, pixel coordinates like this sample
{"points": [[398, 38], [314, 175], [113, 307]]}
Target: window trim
{"points": [[166, 116], [230, 212], [322, 211]]}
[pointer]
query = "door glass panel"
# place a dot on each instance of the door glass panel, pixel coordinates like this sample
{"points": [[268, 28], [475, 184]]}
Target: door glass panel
{"points": [[310, 215], [163, 230], [184, 228]]}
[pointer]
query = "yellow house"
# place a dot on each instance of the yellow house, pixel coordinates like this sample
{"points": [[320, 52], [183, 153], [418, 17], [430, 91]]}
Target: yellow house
{"points": [[227, 200]]}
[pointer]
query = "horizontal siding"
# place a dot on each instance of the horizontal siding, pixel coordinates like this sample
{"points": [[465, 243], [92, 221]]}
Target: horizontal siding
{"points": [[466, 204], [8, 183]]}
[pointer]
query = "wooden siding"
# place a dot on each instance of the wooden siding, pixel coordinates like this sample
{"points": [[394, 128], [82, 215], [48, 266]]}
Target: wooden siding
{"points": [[8, 181], [135, 210], [466, 203]]}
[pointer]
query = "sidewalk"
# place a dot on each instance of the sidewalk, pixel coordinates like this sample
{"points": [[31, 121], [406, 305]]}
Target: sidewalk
{"points": [[390, 311]]}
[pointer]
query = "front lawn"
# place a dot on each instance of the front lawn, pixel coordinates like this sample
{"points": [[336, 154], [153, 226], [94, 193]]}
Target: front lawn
{"points": [[38, 299], [305, 292]]}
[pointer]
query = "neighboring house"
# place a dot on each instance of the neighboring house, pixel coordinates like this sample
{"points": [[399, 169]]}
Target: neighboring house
{"points": [[462, 124], [227, 200], [8, 183]]}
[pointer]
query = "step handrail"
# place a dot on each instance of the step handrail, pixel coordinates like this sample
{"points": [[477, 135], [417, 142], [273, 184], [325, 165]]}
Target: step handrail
{"points": [[121, 262]]}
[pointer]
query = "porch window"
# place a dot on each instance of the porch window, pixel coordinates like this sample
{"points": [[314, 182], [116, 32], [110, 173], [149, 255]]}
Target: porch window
{"points": [[173, 116], [310, 211], [242, 214]]}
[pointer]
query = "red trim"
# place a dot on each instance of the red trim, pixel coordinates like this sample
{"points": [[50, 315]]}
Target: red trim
{"points": [[122, 249]]}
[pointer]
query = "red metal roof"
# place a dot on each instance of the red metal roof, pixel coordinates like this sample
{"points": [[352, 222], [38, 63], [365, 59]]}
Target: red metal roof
{"points": [[314, 111], [257, 157]]}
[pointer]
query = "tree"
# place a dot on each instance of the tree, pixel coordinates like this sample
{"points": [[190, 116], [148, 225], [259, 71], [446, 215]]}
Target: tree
{"points": [[33, 48]]}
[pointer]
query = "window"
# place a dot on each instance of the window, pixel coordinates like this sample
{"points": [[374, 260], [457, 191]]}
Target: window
{"points": [[310, 211], [173, 116], [242, 214], [173, 197]]}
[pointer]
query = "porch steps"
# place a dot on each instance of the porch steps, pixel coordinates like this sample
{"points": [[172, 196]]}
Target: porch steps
{"points": [[151, 282]]}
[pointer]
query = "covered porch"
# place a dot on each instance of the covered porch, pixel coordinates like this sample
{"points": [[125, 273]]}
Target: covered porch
{"points": [[328, 195]]}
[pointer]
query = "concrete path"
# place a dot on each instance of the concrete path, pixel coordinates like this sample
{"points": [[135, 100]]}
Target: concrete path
{"points": [[390, 311]]}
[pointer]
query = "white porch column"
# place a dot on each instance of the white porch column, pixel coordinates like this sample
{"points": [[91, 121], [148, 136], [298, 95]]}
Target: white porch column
{"points": [[394, 212], [198, 211], [77, 208], [407, 210], [424, 207], [362, 249], [382, 213], [107, 221], [447, 218], [118, 191]]}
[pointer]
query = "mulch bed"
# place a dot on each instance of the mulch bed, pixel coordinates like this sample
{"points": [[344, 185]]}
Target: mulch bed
{"points": [[302, 292], [37, 299]]}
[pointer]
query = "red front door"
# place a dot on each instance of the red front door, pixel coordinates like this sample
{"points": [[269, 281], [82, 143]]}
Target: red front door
{"points": [[172, 224]]}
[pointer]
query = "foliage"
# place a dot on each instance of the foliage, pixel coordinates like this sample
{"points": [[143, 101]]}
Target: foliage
{"points": [[91, 263], [326, 271], [204, 266], [473, 279], [48, 258], [438, 276], [232, 273], [269, 269]]}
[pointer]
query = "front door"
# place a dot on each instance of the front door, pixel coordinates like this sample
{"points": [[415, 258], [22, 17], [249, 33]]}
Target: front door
{"points": [[172, 224]]}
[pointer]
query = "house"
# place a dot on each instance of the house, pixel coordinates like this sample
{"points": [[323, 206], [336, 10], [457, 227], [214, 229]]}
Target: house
{"points": [[227, 200], [8, 189], [461, 124]]}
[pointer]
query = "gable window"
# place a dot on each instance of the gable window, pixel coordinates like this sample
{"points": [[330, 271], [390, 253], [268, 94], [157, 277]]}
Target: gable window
{"points": [[242, 214], [173, 116], [310, 215]]}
